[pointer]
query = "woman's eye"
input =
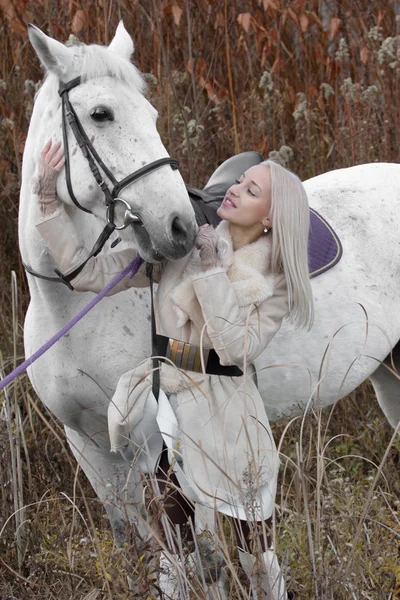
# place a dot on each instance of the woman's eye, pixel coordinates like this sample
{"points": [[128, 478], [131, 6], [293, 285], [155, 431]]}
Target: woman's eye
{"points": [[100, 113], [251, 193], [237, 181]]}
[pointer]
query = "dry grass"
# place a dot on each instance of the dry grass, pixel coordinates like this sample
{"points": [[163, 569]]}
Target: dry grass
{"points": [[337, 523], [317, 86]]}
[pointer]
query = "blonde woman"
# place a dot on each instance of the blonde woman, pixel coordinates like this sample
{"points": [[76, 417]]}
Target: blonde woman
{"points": [[221, 305]]}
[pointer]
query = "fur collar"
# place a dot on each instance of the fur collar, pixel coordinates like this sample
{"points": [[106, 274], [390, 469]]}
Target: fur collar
{"points": [[248, 269]]}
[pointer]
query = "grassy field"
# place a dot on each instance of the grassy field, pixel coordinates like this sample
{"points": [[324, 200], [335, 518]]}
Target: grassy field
{"points": [[314, 84]]}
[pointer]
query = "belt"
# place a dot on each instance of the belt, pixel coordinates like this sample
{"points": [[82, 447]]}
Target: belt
{"points": [[188, 357]]}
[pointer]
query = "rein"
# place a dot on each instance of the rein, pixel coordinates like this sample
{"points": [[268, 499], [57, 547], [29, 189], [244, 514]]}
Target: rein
{"points": [[96, 164]]}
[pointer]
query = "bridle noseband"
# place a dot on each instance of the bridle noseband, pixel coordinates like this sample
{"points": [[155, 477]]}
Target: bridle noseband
{"points": [[95, 163]]}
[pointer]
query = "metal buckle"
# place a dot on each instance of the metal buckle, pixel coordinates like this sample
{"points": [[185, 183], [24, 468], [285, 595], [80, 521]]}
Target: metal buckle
{"points": [[186, 356], [129, 216]]}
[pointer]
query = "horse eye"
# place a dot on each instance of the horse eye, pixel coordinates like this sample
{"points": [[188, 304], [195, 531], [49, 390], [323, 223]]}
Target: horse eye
{"points": [[100, 113]]}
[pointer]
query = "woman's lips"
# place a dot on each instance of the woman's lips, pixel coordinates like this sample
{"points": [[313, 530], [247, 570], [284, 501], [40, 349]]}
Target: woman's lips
{"points": [[229, 202]]}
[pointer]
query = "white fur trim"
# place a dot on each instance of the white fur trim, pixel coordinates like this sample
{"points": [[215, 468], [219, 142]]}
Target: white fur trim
{"points": [[254, 290]]}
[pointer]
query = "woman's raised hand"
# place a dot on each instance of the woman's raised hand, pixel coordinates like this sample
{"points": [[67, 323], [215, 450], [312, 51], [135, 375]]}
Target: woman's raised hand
{"points": [[53, 155], [52, 160], [207, 243]]}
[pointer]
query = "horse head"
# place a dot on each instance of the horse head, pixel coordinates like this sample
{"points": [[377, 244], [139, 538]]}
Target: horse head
{"points": [[121, 125]]}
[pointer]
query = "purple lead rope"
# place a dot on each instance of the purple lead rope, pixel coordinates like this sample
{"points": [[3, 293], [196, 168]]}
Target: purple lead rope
{"points": [[130, 271]]}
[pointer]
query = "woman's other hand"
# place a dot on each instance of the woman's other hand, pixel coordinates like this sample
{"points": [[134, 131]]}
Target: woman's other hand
{"points": [[52, 160], [207, 243]]}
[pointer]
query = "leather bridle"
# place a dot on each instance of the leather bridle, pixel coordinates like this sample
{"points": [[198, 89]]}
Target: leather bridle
{"points": [[96, 164]]}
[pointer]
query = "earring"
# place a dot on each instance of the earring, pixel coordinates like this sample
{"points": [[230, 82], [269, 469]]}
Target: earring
{"points": [[266, 229]]}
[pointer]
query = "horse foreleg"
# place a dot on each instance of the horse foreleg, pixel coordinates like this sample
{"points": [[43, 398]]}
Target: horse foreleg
{"points": [[116, 483], [387, 386]]}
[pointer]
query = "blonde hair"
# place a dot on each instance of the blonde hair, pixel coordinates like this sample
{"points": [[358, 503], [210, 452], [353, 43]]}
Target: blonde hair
{"points": [[290, 226]]}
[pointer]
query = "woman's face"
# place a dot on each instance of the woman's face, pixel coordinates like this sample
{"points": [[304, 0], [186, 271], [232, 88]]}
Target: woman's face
{"points": [[247, 203]]}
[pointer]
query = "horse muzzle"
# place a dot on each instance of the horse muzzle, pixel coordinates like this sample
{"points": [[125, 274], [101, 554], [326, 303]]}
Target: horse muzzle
{"points": [[169, 239]]}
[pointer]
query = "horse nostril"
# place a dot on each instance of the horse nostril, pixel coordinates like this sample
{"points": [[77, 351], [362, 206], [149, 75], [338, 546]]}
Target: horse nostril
{"points": [[178, 230]]}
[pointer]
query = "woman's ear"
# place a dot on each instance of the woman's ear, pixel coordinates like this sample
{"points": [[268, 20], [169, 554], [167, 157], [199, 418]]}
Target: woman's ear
{"points": [[267, 222]]}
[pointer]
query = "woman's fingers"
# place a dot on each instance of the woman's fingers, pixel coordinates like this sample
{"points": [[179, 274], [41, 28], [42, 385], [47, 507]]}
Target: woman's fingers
{"points": [[56, 159], [50, 151], [53, 155], [60, 164], [45, 150]]}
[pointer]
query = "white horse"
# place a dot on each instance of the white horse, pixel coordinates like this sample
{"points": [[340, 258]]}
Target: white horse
{"points": [[357, 316], [78, 376]]}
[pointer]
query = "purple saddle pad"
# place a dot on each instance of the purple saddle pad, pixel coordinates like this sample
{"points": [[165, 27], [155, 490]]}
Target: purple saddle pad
{"points": [[324, 247]]}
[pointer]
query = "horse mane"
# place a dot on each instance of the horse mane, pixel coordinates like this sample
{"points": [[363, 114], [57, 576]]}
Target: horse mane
{"points": [[99, 61]]}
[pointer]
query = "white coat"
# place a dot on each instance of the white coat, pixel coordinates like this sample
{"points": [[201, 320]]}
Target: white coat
{"points": [[215, 427]]}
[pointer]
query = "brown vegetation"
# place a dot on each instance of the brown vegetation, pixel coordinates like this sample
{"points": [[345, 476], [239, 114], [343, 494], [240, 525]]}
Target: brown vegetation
{"points": [[316, 84]]}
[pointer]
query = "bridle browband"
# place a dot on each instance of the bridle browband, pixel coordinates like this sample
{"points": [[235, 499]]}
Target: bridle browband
{"points": [[95, 163]]}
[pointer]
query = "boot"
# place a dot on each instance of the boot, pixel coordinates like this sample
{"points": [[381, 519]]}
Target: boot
{"points": [[208, 563], [170, 582], [265, 575], [176, 586]]}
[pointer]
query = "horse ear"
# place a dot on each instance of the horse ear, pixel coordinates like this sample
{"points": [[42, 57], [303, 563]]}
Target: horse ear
{"points": [[122, 43], [53, 55]]}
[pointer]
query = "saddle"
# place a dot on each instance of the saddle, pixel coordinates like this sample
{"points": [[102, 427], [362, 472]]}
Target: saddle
{"points": [[324, 247]]}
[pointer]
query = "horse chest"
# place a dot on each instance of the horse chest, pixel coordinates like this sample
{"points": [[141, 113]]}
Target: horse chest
{"points": [[83, 368]]}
